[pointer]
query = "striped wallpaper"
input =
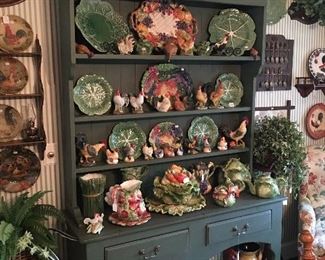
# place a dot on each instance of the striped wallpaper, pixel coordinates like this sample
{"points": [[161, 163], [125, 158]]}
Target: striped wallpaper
{"points": [[41, 15]]}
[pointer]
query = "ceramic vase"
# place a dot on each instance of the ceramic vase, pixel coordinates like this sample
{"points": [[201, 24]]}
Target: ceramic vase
{"points": [[250, 251]]}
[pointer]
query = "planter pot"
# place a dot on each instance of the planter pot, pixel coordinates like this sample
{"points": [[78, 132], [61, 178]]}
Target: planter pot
{"points": [[298, 13]]}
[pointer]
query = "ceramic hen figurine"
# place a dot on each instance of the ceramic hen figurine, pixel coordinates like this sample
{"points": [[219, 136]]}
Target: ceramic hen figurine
{"points": [[120, 102], [222, 144], [95, 225], [129, 152], [206, 145], [170, 48], [216, 95], [112, 156], [137, 102], [201, 98], [239, 133], [147, 152]]}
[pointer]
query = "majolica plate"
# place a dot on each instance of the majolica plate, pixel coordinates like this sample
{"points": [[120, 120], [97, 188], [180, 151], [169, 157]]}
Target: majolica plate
{"points": [[166, 133], [275, 11], [19, 169], [100, 25], [13, 75], [11, 123], [158, 22], [201, 128], [237, 26], [316, 64], [166, 80], [93, 95], [233, 90], [15, 34], [125, 134], [315, 121]]}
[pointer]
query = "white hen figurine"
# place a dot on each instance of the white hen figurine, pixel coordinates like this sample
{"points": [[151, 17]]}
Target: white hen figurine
{"points": [[95, 225]]}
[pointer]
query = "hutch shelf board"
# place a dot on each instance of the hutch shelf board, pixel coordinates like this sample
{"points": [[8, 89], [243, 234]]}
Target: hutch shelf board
{"points": [[198, 235]]}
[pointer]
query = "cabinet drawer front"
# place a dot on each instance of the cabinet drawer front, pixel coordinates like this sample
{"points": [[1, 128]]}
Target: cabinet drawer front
{"points": [[167, 246], [245, 225]]}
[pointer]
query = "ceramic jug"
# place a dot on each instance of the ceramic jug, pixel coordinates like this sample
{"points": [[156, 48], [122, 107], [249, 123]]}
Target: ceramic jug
{"points": [[202, 173], [128, 205], [250, 251], [264, 186]]}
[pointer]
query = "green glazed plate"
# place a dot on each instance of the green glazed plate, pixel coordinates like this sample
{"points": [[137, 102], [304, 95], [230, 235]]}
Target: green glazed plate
{"points": [[275, 11], [233, 90], [100, 25], [124, 134], [93, 95], [237, 25], [202, 127]]}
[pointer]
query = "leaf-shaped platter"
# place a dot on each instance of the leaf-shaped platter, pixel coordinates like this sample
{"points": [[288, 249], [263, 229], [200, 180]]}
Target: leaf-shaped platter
{"points": [[233, 90], [93, 95], [100, 25], [16, 34], [201, 128], [239, 27], [19, 169], [13, 75], [158, 22], [166, 133], [124, 134], [275, 10], [11, 123], [166, 80]]}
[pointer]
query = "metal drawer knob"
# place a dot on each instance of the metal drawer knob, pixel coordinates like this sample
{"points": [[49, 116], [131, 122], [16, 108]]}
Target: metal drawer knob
{"points": [[156, 250]]}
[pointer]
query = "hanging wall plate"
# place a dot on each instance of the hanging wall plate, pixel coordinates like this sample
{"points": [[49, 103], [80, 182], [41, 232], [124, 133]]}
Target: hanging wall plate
{"points": [[6, 3], [316, 64], [315, 121]]}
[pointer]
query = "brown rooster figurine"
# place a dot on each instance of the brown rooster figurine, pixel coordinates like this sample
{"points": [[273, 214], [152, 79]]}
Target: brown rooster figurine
{"points": [[83, 49], [239, 134], [170, 48], [216, 95], [201, 98]]}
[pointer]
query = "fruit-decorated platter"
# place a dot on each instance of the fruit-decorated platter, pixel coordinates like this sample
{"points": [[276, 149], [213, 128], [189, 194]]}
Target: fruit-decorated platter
{"points": [[202, 128], [11, 123], [158, 23], [13, 75], [93, 95], [19, 169], [16, 34], [316, 64], [234, 27], [233, 90], [124, 135], [166, 133], [166, 80], [100, 25]]}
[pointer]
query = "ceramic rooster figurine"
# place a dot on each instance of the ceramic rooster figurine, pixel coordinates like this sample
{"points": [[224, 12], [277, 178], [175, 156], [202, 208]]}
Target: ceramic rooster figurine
{"points": [[83, 49], [129, 152], [239, 134], [112, 156], [170, 48], [201, 98], [120, 102], [95, 225], [137, 102], [216, 95]]}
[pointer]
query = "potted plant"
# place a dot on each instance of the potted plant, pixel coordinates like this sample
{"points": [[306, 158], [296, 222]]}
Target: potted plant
{"points": [[22, 227], [279, 148], [307, 11]]}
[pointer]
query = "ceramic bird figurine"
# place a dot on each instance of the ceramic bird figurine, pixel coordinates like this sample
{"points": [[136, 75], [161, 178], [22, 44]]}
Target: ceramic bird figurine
{"points": [[137, 102], [201, 98], [95, 225], [147, 152], [192, 146], [254, 53], [206, 145], [126, 45], [83, 49], [112, 156], [170, 48], [222, 144], [120, 102], [216, 95], [129, 152], [239, 133]]}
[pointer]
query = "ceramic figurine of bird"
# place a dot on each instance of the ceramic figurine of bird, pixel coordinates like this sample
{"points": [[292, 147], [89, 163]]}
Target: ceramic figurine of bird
{"points": [[206, 145], [112, 156], [170, 48], [201, 98], [120, 102], [216, 95], [129, 152], [254, 53], [239, 133], [137, 102], [83, 49], [126, 45], [95, 225], [147, 152], [222, 144]]}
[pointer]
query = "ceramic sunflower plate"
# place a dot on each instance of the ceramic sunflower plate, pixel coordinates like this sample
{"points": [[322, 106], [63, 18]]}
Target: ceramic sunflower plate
{"points": [[125, 134], [158, 22], [275, 11], [316, 64], [235, 26], [11, 123], [19, 169], [15, 34], [233, 90], [201, 128], [93, 95], [166, 80], [166, 133], [100, 25], [13, 75]]}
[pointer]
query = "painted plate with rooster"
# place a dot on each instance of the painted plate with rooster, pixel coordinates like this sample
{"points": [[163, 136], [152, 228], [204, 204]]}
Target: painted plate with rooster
{"points": [[166, 133], [93, 95], [201, 128], [11, 123], [166, 80], [19, 169], [233, 90], [16, 34], [127, 136]]}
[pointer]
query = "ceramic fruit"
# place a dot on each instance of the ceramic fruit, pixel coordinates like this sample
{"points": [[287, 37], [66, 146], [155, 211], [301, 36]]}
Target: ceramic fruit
{"points": [[264, 186], [127, 203], [203, 172]]}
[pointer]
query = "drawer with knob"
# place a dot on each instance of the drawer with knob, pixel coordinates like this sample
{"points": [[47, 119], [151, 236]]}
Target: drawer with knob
{"points": [[232, 228], [166, 246]]}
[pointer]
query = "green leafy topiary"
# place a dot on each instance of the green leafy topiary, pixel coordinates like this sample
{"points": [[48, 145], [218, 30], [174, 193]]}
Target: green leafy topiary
{"points": [[22, 226], [279, 148]]}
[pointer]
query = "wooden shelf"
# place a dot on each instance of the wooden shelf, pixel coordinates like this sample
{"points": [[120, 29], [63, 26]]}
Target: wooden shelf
{"points": [[19, 96], [106, 118], [20, 143], [120, 59], [185, 157]]}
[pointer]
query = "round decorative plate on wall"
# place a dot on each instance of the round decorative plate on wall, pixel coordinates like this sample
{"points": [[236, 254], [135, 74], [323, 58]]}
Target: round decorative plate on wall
{"points": [[6, 3], [316, 64], [315, 121]]}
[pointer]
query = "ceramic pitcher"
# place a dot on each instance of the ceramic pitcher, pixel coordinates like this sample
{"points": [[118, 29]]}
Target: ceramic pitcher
{"points": [[250, 251]]}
